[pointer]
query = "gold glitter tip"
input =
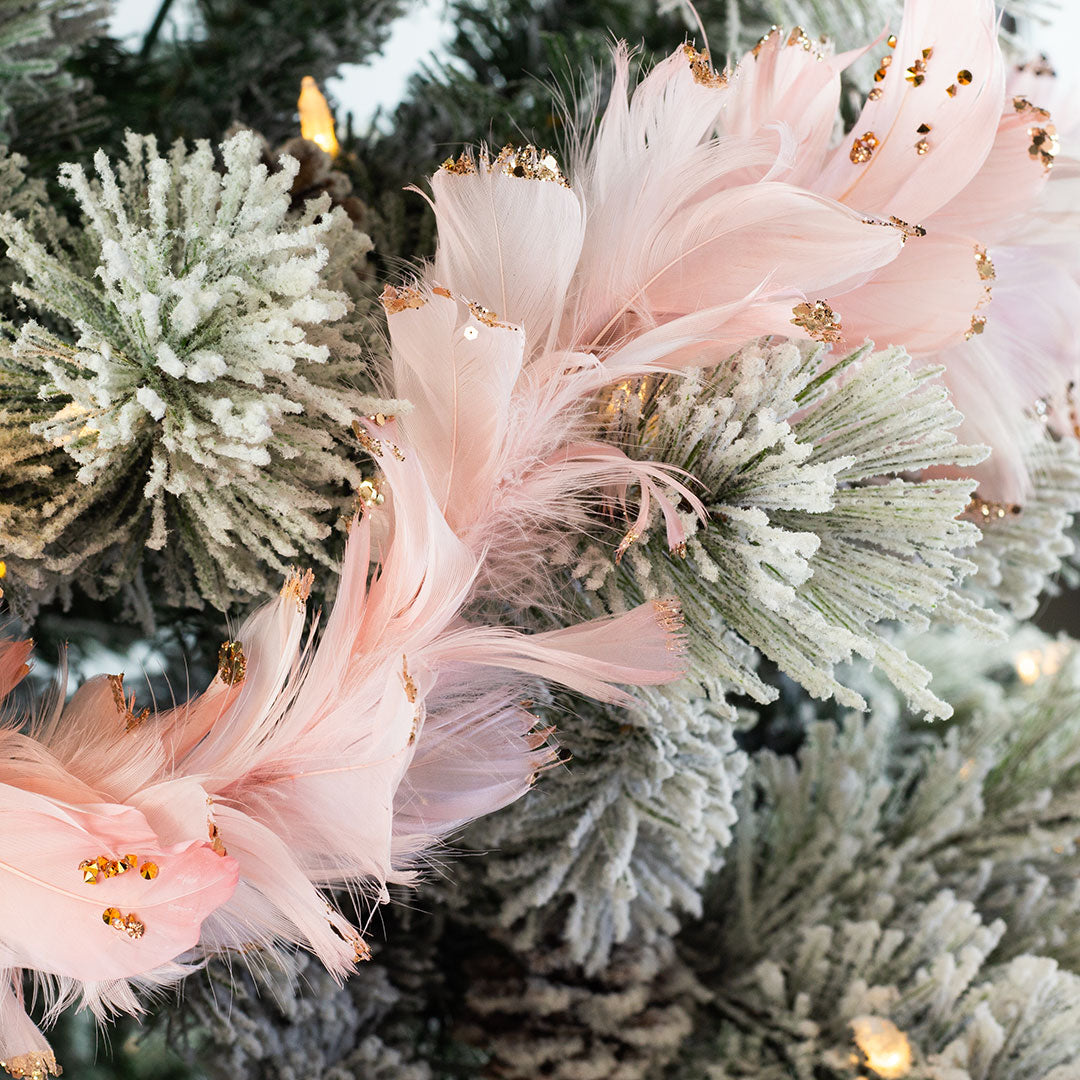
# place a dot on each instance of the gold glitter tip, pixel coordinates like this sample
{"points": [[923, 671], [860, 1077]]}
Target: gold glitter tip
{"points": [[1044, 145], [798, 36], [34, 1066], [131, 925], [123, 707], [297, 587], [702, 69], [863, 148], [217, 845], [679, 550], [984, 263], [818, 320], [232, 663], [978, 325], [463, 165], [756, 50], [486, 316], [669, 616], [529, 163], [372, 446], [407, 681], [1021, 104], [395, 300], [631, 537]]}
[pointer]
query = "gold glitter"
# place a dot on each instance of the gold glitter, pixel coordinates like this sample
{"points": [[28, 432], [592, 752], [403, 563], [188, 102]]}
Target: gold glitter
{"points": [[818, 320], [897, 223], [528, 163], [756, 50], [217, 845], [407, 681], [33, 1066], [149, 870], [922, 148], [103, 866], [863, 148], [369, 493], [123, 707], [891, 41], [463, 165], [669, 614], [1044, 145], [985, 510], [231, 663], [984, 263], [964, 77], [798, 37], [128, 924], [916, 74], [875, 94], [951, 90], [297, 587], [624, 545], [1021, 104], [372, 446], [486, 316], [978, 325], [927, 53], [679, 550], [702, 69], [395, 300], [883, 70]]}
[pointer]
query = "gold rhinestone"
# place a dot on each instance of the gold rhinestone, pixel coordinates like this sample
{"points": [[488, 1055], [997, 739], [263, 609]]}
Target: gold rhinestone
{"points": [[863, 148], [951, 90], [875, 94], [924, 129], [964, 77], [922, 148], [149, 870], [112, 917], [891, 41]]}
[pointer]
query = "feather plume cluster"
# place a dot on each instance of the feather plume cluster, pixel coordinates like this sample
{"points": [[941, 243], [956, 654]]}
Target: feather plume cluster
{"points": [[707, 210]]}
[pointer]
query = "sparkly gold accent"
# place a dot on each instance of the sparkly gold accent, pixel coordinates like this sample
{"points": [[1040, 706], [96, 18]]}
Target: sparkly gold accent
{"points": [[380, 419], [818, 320], [978, 325], [964, 77], [128, 924], [756, 50], [231, 663], [951, 90], [922, 148], [669, 614], [407, 681], [984, 263], [916, 74], [702, 69], [123, 707], [898, 223], [369, 493], [798, 36], [1044, 145], [33, 1066], [372, 446], [984, 510], [217, 845], [462, 166], [624, 544], [395, 300], [103, 866], [679, 550], [863, 148], [486, 316], [875, 94], [297, 587], [891, 41], [1021, 104], [529, 163], [149, 870], [883, 70], [927, 53], [924, 129]]}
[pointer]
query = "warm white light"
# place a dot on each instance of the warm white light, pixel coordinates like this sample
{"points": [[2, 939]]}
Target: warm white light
{"points": [[316, 120], [1029, 665], [884, 1045]]}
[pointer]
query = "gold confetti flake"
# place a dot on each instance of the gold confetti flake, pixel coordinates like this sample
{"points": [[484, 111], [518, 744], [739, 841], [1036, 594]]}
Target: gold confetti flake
{"points": [[818, 320], [702, 70], [380, 419], [372, 446], [891, 41], [463, 165], [297, 587], [486, 316], [863, 148], [369, 493], [407, 681], [951, 90], [127, 924], [1044, 145], [624, 545], [232, 663], [984, 263], [909, 231], [964, 77], [529, 163], [123, 707], [32, 1066], [1021, 105], [922, 148], [395, 300], [217, 845], [978, 325]]}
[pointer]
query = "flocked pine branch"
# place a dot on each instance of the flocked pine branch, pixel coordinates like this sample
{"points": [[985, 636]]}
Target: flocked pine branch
{"points": [[816, 537], [190, 366]]}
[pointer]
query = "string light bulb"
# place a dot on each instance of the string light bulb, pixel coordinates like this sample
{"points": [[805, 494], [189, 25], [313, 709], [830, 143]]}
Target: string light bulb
{"points": [[1032, 664], [884, 1045], [316, 120]]}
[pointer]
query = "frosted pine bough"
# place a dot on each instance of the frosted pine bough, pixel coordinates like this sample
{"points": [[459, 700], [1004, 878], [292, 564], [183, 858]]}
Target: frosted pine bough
{"points": [[191, 357]]}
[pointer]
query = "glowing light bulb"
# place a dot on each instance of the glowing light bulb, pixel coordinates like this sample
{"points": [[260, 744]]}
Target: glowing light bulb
{"points": [[316, 120], [884, 1045], [1028, 665]]}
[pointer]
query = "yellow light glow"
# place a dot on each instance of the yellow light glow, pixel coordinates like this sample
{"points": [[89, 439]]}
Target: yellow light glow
{"points": [[1029, 665], [316, 120], [884, 1045]]}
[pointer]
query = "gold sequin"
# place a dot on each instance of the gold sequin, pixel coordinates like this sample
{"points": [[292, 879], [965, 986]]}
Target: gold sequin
{"points": [[131, 925], [978, 325], [964, 77], [33, 1066], [1044, 145], [380, 419], [883, 70], [818, 320], [395, 300], [369, 493], [922, 148], [863, 148], [232, 663], [924, 129], [916, 74], [702, 69], [297, 587], [463, 165]]}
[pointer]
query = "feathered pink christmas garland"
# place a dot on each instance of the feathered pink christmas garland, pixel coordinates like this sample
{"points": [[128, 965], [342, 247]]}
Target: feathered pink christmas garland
{"points": [[709, 208]]}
